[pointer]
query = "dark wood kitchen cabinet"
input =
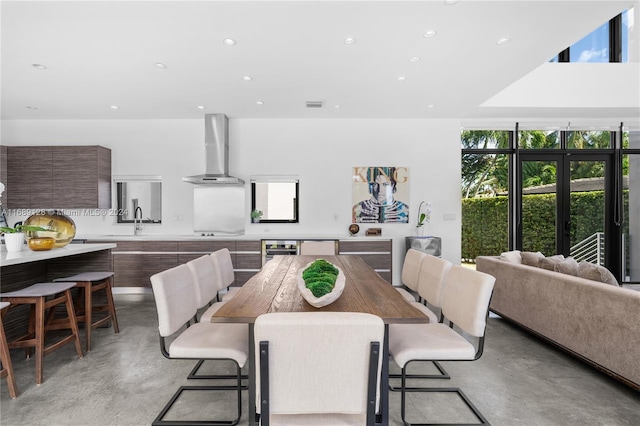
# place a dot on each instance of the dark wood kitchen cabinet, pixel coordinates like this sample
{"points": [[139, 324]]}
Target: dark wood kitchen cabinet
{"points": [[134, 262], [377, 254], [57, 177]]}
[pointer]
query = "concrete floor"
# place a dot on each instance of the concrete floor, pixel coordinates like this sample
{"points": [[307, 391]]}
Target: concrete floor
{"points": [[125, 380]]}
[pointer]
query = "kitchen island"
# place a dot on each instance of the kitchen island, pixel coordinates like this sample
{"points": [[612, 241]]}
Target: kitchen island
{"points": [[21, 269], [28, 256]]}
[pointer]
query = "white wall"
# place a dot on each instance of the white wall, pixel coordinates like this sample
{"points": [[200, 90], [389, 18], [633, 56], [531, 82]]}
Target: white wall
{"points": [[321, 152]]}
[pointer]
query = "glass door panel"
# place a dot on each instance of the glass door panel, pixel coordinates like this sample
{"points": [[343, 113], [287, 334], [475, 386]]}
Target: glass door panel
{"points": [[539, 222], [587, 211]]}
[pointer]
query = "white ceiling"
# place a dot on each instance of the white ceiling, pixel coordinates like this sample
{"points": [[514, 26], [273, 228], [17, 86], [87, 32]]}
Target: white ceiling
{"points": [[100, 54]]}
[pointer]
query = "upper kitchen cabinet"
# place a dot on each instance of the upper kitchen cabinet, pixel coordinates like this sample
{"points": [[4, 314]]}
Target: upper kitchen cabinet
{"points": [[58, 177]]}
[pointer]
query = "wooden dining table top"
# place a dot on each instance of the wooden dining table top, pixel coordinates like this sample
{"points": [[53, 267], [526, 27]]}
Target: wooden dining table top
{"points": [[275, 289]]}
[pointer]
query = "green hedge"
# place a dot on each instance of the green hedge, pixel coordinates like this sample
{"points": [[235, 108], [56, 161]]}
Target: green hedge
{"points": [[485, 229]]}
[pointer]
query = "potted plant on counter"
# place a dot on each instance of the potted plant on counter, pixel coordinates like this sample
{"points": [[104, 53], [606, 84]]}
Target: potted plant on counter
{"points": [[256, 215], [14, 237]]}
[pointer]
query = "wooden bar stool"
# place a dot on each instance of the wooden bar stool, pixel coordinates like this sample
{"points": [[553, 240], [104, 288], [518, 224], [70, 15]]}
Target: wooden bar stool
{"points": [[44, 298], [89, 283], [5, 358]]}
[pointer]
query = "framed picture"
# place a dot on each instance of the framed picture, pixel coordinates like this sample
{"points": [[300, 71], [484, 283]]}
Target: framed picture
{"points": [[380, 195]]}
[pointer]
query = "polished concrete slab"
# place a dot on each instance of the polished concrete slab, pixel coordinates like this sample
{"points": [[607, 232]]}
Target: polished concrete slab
{"points": [[125, 380]]}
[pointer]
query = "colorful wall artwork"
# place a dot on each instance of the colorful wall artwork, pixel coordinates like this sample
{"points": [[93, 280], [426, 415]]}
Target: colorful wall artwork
{"points": [[380, 195]]}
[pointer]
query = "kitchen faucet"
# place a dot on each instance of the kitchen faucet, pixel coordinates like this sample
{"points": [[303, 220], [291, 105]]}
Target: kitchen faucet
{"points": [[137, 224]]}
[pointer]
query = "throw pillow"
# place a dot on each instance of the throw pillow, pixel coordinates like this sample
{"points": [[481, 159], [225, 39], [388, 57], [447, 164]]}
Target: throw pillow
{"points": [[550, 262], [511, 256], [530, 258], [596, 273], [568, 266]]}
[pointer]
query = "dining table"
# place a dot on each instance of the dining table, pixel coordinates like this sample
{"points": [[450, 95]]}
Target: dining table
{"points": [[275, 289]]}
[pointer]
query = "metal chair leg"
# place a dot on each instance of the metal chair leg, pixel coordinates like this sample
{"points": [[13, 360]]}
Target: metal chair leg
{"points": [[159, 419], [465, 399], [443, 375], [194, 375]]}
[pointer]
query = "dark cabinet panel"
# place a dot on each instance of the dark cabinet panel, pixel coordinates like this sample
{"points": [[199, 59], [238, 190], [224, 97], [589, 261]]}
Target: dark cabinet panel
{"points": [[248, 261], [3, 165], [159, 246], [134, 262], [377, 261], [206, 246], [377, 254], [248, 246], [136, 269], [38, 165], [365, 246], [17, 193], [64, 160], [62, 177]]}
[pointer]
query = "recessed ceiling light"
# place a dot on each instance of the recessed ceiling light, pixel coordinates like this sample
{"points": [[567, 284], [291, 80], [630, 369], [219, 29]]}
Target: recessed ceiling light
{"points": [[430, 33], [114, 107], [260, 102], [414, 59], [503, 40], [430, 106], [349, 40], [229, 42], [247, 78], [39, 66], [160, 65], [336, 106], [401, 78], [201, 107]]}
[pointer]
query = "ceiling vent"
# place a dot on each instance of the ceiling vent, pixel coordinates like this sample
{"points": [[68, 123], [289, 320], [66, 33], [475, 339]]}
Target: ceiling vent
{"points": [[314, 104]]}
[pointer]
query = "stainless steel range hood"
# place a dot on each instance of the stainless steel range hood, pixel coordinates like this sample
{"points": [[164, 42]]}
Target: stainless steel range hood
{"points": [[216, 141]]}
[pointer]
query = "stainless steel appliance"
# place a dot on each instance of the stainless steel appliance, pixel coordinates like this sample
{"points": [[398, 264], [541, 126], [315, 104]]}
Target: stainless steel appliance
{"points": [[219, 210], [272, 248], [216, 144]]}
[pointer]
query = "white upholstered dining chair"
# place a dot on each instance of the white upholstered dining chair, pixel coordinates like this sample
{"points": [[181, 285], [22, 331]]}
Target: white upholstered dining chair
{"points": [[318, 368], [176, 303], [223, 264], [410, 274], [206, 281], [465, 304], [316, 248], [431, 279]]}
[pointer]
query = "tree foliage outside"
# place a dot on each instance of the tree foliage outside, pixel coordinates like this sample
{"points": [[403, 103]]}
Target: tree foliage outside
{"points": [[487, 175]]}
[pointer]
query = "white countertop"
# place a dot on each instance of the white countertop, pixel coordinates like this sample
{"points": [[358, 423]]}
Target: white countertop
{"points": [[27, 255], [245, 237]]}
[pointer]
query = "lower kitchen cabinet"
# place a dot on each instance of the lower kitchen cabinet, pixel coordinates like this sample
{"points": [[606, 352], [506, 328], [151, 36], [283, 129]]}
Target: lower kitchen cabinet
{"points": [[377, 253], [134, 262]]}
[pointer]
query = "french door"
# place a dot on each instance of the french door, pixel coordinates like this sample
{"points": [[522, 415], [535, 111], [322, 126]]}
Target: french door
{"points": [[564, 206]]}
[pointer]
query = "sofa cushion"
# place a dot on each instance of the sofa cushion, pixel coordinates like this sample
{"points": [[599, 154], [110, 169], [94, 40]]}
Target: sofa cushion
{"points": [[511, 256], [594, 272], [550, 262], [568, 266], [530, 258]]}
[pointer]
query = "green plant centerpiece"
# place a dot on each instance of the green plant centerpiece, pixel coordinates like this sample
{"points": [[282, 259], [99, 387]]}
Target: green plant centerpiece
{"points": [[320, 277], [321, 283]]}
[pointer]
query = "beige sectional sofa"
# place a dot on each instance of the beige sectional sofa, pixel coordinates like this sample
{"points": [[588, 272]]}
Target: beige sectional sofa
{"points": [[599, 323]]}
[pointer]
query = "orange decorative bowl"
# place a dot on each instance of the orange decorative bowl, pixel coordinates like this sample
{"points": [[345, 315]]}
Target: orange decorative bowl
{"points": [[41, 243]]}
